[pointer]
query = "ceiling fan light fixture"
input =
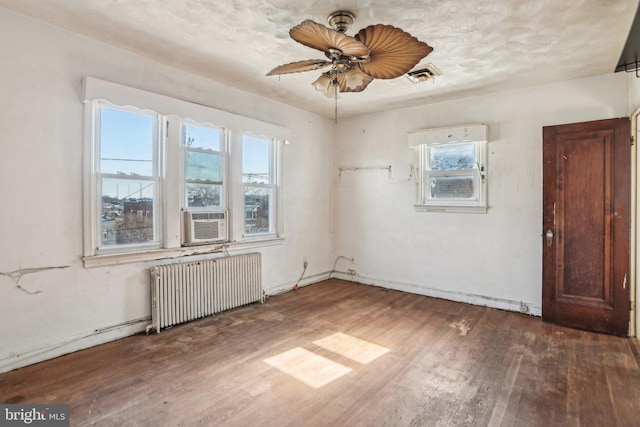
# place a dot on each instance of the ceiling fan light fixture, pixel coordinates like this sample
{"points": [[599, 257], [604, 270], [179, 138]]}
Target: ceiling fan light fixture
{"points": [[322, 83], [333, 91], [328, 86], [354, 79], [341, 20]]}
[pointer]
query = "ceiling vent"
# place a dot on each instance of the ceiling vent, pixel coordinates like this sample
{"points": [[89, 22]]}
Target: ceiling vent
{"points": [[423, 73]]}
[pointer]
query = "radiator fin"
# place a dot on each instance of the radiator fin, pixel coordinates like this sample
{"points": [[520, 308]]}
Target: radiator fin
{"points": [[188, 291]]}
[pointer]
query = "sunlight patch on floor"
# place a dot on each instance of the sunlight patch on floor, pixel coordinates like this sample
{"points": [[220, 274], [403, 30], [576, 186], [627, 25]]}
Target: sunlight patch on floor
{"points": [[353, 348], [308, 367]]}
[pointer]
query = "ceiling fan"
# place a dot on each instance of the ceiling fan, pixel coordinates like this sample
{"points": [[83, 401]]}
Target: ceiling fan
{"points": [[375, 52]]}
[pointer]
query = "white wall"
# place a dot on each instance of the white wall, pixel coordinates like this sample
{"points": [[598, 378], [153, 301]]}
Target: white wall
{"points": [[41, 191], [634, 92], [492, 259]]}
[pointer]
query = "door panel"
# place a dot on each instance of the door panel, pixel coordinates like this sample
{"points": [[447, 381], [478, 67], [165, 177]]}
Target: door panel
{"points": [[586, 225]]}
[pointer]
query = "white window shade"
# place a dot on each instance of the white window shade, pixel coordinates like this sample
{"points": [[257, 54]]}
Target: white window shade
{"points": [[444, 135]]}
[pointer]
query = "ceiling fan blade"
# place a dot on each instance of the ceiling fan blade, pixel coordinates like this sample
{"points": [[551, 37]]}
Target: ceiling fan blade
{"points": [[300, 66], [353, 80], [322, 38], [393, 52]]}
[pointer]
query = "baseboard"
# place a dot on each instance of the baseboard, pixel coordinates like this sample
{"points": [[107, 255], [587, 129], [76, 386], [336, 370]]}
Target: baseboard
{"points": [[289, 286], [19, 359], [469, 298]]}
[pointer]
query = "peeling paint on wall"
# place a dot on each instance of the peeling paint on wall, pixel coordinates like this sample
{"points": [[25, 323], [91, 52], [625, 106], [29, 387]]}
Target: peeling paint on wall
{"points": [[17, 275]]}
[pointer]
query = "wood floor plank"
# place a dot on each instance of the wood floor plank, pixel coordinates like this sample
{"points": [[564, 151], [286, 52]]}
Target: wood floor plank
{"points": [[442, 364]]}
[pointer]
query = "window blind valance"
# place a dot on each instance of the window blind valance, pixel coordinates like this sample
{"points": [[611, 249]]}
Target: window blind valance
{"points": [[120, 95]]}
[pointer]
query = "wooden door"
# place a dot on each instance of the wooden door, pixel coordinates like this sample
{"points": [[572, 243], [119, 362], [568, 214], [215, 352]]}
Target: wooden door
{"points": [[586, 225]]}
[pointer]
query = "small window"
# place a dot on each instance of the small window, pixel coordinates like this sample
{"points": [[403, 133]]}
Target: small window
{"points": [[258, 178], [128, 177], [203, 166], [452, 176], [451, 173]]}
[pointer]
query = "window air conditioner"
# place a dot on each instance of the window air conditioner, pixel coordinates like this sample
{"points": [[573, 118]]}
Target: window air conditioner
{"points": [[205, 227]]}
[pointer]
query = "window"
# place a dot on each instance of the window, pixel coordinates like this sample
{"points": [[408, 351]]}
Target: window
{"points": [[258, 180], [128, 177], [204, 166], [452, 170], [162, 175]]}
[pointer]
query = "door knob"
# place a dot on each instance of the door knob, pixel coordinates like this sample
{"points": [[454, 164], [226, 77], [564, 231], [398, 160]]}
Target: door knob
{"points": [[549, 236]]}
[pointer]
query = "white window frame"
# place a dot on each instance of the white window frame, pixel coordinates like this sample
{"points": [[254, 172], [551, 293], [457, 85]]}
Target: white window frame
{"points": [[223, 153], [97, 176], [424, 141], [272, 186], [171, 197]]}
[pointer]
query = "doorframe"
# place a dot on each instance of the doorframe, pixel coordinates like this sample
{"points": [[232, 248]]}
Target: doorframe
{"points": [[634, 316]]}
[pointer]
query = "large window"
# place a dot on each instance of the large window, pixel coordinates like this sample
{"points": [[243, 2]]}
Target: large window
{"points": [[164, 177], [128, 177], [258, 178]]}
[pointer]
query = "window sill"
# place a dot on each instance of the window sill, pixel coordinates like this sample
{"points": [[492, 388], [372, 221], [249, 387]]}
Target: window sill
{"points": [[451, 209], [160, 254]]}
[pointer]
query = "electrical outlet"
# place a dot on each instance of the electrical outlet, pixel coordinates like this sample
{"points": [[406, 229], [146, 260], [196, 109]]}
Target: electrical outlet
{"points": [[351, 272]]}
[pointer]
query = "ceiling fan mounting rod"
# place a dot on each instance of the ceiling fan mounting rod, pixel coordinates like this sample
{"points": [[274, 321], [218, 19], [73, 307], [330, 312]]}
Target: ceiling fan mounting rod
{"points": [[341, 20]]}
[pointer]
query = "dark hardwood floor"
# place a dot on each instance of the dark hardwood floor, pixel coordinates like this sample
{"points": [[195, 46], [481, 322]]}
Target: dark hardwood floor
{"points": [[343, 354]]}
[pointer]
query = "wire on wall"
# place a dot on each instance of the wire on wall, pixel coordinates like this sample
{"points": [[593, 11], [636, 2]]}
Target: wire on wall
{"points": [[342, 169], [350, 271]]}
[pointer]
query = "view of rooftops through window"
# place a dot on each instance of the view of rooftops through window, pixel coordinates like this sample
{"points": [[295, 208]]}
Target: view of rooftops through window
{"points": [[129, 175]]}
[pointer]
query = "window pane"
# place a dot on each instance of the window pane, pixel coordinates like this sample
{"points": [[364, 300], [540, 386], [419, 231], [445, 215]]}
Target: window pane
{"points": [[256, 160], [256, 210], [204, 195], [202, 167], [127, 211], [452, 187], [452, 157], [202, 137], [126, 142]]}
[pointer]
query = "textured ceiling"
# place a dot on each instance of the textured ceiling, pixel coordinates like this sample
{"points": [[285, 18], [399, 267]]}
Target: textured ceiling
{"points": [[479, 46]]}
